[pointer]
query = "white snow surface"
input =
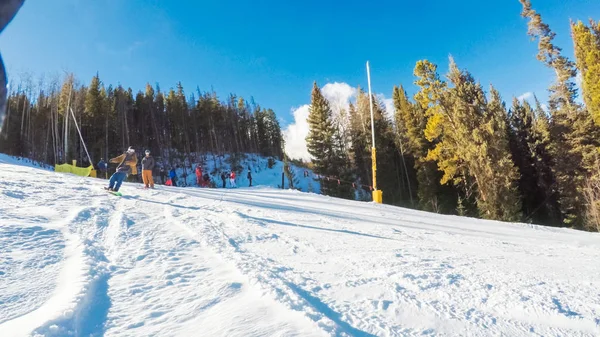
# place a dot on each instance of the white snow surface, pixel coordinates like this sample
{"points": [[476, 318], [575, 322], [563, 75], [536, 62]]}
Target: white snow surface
{"points": [[77, 261]]}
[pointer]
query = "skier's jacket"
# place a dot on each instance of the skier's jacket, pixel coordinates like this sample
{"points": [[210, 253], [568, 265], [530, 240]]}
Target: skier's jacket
{"points": [[102, 166], [172, 174], [198, 172], [127, 163], [148, 163], [232, 175]]}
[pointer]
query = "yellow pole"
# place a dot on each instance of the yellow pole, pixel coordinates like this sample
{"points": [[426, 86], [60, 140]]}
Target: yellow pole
{"points": [[377, 195], [374, 159]]}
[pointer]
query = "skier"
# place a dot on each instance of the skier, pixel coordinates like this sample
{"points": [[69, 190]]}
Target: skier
{"points": [[147, 167], [127, 163], [232, 179], [163, 175], [224, 178], [199, 176], [102, 167], [249, 176], [173, 176]]}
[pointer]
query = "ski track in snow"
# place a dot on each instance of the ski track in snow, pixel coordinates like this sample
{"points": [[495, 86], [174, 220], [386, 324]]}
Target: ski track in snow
{"points": [[77, 261]]}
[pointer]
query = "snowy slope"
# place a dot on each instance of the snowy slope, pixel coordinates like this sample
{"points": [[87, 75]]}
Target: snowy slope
{"points": [[75, 261]]}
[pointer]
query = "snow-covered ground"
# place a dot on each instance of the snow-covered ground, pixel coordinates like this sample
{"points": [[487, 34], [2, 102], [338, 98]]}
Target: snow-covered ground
{"points": [[76, 261]]}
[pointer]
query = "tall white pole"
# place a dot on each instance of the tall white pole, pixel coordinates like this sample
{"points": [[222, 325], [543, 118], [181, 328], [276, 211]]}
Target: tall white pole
{"points": [[371, 105], [377, 195], [67, 126]]}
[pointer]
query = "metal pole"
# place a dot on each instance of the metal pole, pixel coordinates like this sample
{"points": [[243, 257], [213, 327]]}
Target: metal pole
{"points": [[377, 195], [371, 106], [67, 125], [80, 137]]}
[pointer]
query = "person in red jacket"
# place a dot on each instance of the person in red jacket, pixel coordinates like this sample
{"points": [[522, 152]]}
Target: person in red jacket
{"points": [[232, 179], [199, 176]]}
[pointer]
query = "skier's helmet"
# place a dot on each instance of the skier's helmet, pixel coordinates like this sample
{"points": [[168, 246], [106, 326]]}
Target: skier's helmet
{"points": [[147, 152], [130, 150]]}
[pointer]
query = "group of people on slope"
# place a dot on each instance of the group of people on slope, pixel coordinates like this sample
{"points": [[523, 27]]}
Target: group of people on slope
{"points": [[127, 165], [203, 180], [231, 176]]}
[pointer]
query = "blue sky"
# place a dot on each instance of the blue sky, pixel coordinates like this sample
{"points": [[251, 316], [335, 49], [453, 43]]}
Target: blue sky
{"points": [[274, 50]]}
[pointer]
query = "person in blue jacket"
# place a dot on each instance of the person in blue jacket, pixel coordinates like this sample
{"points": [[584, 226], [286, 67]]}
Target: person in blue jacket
{"points": [[173, 176], [103, 167]]}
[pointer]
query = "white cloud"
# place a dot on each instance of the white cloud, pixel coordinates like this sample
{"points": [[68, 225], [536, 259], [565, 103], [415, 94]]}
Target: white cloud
{"points": [[525, 96], [388, 105], [295, 135], [339, 95]]}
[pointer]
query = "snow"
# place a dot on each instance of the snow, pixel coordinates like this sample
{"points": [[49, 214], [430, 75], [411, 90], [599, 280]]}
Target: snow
{"points": [[77, 261]]}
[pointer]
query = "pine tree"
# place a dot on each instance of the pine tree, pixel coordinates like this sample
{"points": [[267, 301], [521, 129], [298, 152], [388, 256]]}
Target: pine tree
{"points": [[344, 167], [472, 148], [409, 123], [563, 92], [571, 130], [433, 192], [319, 141], [587, 53], [497, 164], [323, 144], [546, 181], [522, 144], [360, 152]]}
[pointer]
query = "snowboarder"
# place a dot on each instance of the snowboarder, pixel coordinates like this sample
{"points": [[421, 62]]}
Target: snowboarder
{"points": [[199, 176], [224, 178], [249, 176], [127, 164], [163, 175], [173, 176], [103, 167], [147, 167], [232, 179]]}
